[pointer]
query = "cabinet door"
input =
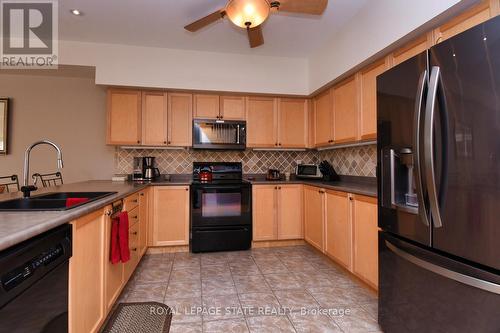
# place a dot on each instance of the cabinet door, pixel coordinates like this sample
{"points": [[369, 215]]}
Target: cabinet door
{"points": [[262, 117], [180, 119], [114, 278], [170, 215], [293, 123], [133, 244], [338, 227], [290, 212], [411, 49], [264, 212], [323, 108], [206, 106], [232, 107], [86, 274], [365, 239], [345, 111], [124, 117], [143, 221], [472, 17], [368, 107], [154, 118], [313, 216]]}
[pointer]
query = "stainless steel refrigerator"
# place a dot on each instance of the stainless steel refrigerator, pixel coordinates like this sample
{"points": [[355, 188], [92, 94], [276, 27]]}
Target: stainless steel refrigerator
{"points": [[438, 119]]}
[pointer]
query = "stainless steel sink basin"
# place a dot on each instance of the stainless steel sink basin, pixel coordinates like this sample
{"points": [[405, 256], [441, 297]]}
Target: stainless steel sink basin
{"points": [[51, 201]]}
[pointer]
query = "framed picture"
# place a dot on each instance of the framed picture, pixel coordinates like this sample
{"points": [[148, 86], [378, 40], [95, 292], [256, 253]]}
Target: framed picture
{"points": [[4, 109]]}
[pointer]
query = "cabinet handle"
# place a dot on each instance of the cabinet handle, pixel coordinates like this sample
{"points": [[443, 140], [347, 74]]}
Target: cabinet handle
{"points": [[279, 144], [138, 141], [134, 233], [141, 194], [164, 142], [350, 198], [135, 201], [135, 217], [169, 142], [187, 189], [109, 212], [134, 249], [279, 187]]}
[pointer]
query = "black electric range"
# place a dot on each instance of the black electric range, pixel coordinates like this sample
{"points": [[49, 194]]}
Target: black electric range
{"points": [[221, 208]]}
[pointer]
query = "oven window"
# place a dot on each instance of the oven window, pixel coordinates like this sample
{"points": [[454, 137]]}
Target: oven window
{"points": [[308, 170], [221, 204]]}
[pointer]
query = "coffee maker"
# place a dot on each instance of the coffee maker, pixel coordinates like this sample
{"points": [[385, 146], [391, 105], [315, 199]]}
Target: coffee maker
{"points": [[149, 171]]}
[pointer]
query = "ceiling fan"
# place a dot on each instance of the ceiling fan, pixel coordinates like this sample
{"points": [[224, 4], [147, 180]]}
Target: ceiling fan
{"points": [[250, 14]]}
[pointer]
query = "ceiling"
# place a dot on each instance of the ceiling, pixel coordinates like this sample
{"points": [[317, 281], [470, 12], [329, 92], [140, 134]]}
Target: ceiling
{"points": [[159, 23]]}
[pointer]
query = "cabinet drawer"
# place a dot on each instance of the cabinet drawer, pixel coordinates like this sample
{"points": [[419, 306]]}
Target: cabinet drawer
{"points": [[131, 202], [133, 216], [133, 238]]}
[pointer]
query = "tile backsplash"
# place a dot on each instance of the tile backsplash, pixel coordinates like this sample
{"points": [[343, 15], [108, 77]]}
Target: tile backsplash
{"points": [[355, 161]]}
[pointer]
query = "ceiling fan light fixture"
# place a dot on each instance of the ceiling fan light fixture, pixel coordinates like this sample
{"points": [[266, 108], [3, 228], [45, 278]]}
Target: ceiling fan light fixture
{"points": [[247, 13]]}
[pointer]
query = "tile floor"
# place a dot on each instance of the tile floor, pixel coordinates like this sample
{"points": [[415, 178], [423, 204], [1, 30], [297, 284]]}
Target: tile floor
{"points": [[286, 289]]}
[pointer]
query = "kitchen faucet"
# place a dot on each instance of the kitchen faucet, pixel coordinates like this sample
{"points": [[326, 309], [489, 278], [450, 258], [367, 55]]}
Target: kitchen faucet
{"points": [[26, 188]]}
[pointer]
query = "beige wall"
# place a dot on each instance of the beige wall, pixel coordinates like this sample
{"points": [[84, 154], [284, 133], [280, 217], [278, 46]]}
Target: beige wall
{"points": [[64, 106]]}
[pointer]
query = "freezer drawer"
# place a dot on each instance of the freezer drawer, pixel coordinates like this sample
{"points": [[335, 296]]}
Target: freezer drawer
{"points": [[221, 238], [421, 291]]}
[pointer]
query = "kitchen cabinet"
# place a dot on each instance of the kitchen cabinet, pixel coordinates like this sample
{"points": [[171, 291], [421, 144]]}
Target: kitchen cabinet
{"points": [[143, 220], [124, 117], [154, 118], [345, 111], [206, 106], [311, 119], [113, 274], [292, 122], [314, 215], [368, 100], [170, 220], [86, 274], [338, 228], [180, 119], [232, 107], [133, 245], [323, 109], [262, 118], [365, 239], [277, 212], [416, 46], [478, 14]]}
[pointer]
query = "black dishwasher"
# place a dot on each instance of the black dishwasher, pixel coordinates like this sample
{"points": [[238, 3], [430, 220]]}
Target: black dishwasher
{"points": [[34, 284]]}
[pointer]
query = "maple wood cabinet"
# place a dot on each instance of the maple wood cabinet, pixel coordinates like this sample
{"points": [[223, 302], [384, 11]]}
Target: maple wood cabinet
{"points": [[124, 117], [232, 107], [277, 212], [170, 220], [338, 227], [314, 215], [149, 118], [345, 111], [262, 118], [206, 106], [368, 100], [365, 239], [411, 49], [323, 112], [293, 124]]}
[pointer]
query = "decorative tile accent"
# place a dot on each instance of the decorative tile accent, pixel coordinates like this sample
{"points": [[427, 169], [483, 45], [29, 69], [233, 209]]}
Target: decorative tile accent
{"points": [[352, 161]]}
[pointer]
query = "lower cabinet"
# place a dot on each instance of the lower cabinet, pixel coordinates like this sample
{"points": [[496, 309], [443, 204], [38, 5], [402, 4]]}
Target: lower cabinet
{"points": [[338, 228], [86, 273], [277, 212], [170, 222], [365, 239], [314, 215]]}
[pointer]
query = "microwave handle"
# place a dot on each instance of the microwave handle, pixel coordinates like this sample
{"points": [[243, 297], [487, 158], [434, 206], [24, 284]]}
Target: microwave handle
{"points": [[238, 134]]}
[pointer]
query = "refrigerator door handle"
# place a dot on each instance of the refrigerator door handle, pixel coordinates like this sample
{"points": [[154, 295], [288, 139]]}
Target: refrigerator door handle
{"points": [[459, 277], [422, 85], [429, 146]]}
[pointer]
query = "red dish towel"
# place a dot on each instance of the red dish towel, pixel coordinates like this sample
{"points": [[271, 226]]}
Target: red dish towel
{"points": [[119, 239], [75, 201]]}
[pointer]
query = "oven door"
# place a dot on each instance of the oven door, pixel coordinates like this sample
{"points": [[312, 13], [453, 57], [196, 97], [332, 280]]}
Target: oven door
{"points": [[220, 205]]}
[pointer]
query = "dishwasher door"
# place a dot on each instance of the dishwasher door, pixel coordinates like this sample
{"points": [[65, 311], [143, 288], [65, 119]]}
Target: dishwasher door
{"points": [[34, 284]]}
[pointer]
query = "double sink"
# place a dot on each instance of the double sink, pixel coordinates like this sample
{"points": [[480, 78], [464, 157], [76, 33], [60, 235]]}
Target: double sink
{"points": [[58, 201]]}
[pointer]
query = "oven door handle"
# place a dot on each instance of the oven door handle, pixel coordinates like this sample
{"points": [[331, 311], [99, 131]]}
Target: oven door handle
{"points": [[215, 187]]}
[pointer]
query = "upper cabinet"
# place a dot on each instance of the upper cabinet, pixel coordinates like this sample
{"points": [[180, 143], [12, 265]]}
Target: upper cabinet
{"points": [[232, 107], [262, 118], [206, 106], [345, 111], [124, 117], [368, 100], [411, 49], [154, 118], [323, 109], [149, 118], [292, 122]]}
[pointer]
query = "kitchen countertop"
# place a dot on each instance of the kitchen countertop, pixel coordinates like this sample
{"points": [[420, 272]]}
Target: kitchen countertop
{"points": [[16, 227], [357, 185]]}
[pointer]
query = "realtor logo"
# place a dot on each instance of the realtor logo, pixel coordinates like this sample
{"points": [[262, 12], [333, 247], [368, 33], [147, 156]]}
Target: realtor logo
{"points": [[29, 34]]}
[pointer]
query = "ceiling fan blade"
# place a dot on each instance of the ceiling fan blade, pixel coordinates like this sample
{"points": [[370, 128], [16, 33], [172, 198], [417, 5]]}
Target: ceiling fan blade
{"points": [[255, 36], [204, 21], [313, 7]]}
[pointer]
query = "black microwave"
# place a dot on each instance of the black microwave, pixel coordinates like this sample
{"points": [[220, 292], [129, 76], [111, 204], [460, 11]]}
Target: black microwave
{"points": [[219, 134]]}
